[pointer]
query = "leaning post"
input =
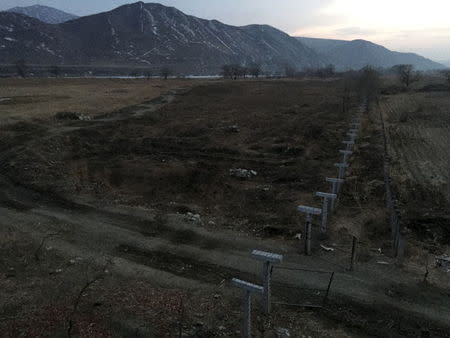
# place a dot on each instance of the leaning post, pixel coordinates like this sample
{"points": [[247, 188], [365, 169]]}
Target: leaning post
{"points": [[268, 260], [249, 288], [309, 212]]}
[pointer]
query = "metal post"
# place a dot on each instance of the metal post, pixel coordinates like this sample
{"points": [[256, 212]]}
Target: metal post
{"points": [[353, 257], [248, 315], [324, 215], [266, 285], [325, 299], [308, 234]]}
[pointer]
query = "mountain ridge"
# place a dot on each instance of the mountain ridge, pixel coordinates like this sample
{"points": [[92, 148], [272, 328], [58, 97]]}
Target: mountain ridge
{"points": [[155, 35], [356, 54], [45, 14]]}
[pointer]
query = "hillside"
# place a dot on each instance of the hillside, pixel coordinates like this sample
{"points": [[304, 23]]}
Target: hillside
{"points": [[44, 13], [359, 53], [153, 35]]}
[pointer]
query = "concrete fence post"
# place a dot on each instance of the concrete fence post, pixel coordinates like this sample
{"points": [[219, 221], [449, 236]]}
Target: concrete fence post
{"points": [[327, 198], [309, 212], [336, 184], [341, 169], [268, 259], [346, 154], [349, 144], [249, 288]]}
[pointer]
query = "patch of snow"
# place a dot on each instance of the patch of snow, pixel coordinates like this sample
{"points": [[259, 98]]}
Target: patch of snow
{"points": [[113, 32], [44, 47], [188, 29], [183, 37]]}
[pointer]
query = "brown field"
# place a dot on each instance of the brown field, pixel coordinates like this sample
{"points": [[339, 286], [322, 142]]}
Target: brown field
{"points": [[113, 200], [45, 97], [418, 128]]}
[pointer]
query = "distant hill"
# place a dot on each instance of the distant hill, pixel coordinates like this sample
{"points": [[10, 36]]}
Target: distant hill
{"points": [[360, 53], [445, 63], [44, 13], [150, 35]]}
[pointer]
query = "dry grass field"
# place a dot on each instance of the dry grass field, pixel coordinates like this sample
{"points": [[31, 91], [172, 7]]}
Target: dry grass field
{"points": [[38, 98], [418, 130]]}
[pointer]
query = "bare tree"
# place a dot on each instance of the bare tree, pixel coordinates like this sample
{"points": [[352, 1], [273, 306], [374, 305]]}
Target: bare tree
{"points": [[21, 67], [446, 74], [166, 72], [54, 70], [242, 71], [234, 71], [405, 74], [255, 70], [148, 74], [348, 88], [227, 72], [368, 85], [289, 71]]}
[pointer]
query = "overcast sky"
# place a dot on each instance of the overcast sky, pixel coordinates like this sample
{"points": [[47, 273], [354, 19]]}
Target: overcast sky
{"points": [[403, 25]]}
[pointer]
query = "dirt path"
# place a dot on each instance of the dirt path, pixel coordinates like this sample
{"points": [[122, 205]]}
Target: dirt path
{"points": [[125, 235]]}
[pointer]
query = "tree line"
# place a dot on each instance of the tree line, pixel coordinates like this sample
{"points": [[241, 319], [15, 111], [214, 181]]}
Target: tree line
{"points": [[405, 73]]}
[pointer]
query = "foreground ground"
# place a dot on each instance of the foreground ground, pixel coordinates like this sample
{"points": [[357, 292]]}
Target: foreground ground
{"points": [[130, 222]]}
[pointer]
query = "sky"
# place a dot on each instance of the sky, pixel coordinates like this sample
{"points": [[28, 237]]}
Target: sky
{"points": [[403, 25]]}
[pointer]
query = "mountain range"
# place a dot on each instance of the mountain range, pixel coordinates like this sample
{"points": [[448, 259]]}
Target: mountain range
{"points": [[153, 35], [345, 55], [45, 14]]}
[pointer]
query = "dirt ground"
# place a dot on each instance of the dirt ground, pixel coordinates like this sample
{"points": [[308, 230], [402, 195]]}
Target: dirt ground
{"points": [[130, 224]]}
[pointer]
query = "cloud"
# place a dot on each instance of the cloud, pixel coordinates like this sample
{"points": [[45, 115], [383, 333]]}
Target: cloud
{"points": [[353, 31]]}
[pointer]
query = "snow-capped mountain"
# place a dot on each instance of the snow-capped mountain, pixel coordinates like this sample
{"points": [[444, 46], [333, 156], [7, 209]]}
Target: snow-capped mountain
{"points": [[44, 13], [23, 37], [153, 35]]}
